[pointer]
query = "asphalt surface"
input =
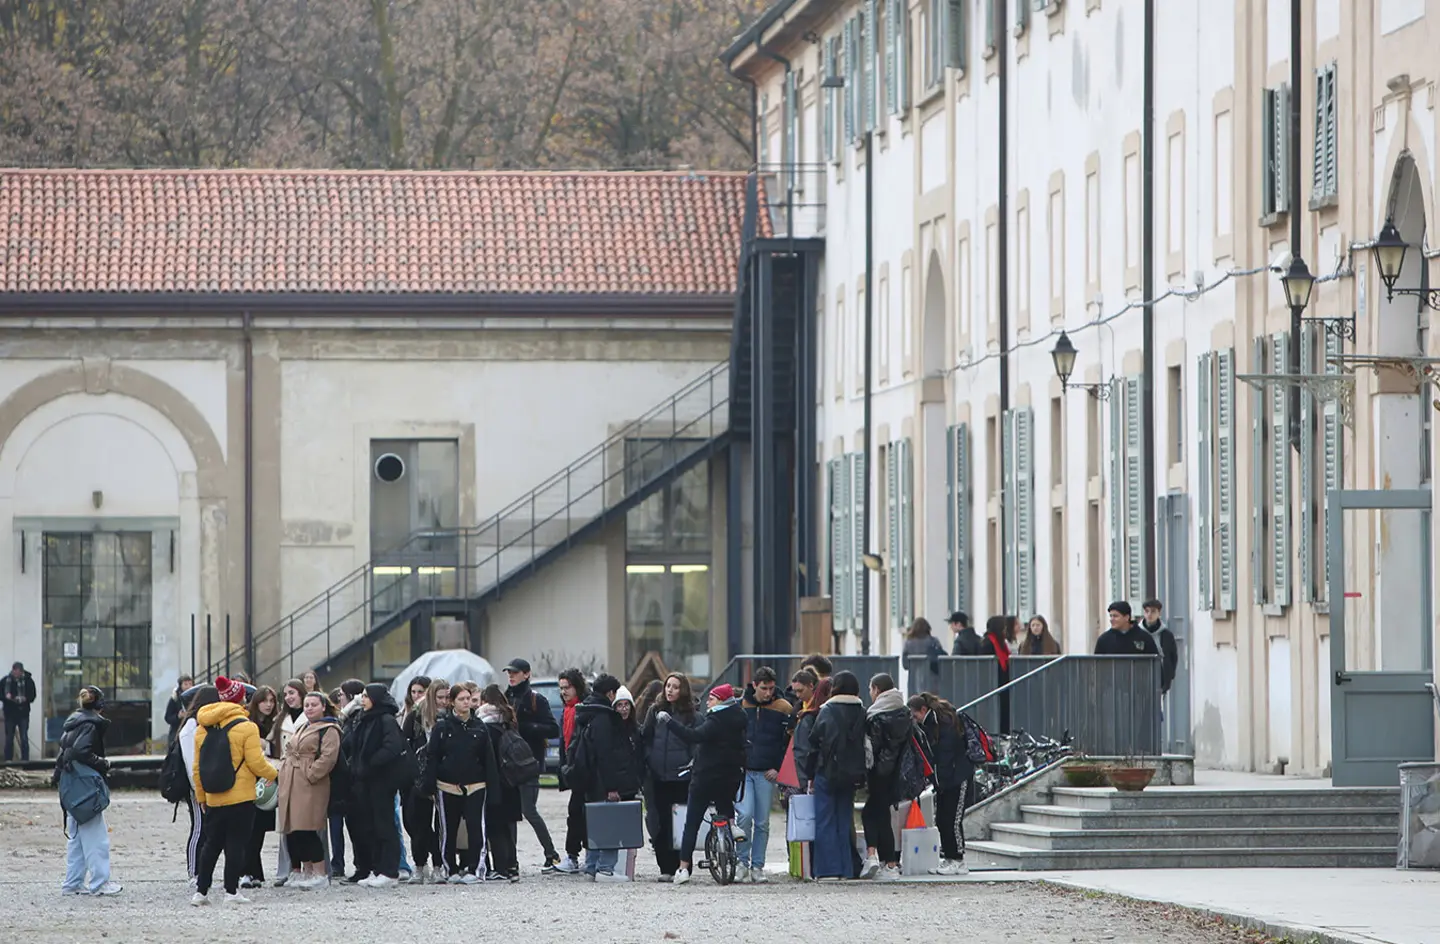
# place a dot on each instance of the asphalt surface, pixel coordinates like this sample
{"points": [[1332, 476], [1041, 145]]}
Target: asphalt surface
{"points": [[148, 858]]}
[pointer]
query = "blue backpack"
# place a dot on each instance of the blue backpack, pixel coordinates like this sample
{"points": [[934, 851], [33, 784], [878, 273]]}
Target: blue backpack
{"points": [[84, 794]]}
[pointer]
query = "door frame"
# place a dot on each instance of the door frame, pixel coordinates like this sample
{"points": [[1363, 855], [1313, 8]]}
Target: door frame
{"points": [[1406, 692]]}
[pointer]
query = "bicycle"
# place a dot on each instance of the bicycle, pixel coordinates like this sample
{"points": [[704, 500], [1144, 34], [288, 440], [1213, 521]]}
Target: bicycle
{"points": [[720, 852]]}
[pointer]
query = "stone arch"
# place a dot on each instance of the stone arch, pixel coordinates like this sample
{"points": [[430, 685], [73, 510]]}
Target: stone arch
{"points": [[933, 359], [99, 377]]}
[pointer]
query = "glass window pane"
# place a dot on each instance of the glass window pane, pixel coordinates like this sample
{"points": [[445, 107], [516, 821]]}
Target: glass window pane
{"points": [[645, 525], [689, 646], [690, 511], [647, 610]]}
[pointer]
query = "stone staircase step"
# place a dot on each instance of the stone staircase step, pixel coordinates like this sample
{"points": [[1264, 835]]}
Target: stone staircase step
{"points": [[991, 855], [1199, 798], [1031, 836], [1070, 817]]}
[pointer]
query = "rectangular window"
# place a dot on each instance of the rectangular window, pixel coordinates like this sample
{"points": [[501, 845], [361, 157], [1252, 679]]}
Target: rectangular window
{"points": [[992, 264], [963, 288], [1092, 230], [1092, 437], [1132, 211], [1057, 573], [1057, 441], [1325, 184], [1275, 160], [1224, 174], [1175, 402], [1094, 573], [861, 316], [830, 68], [907, 320], [840, 327], [882, 318], [414, 497], [1022, 262], [1055, 224], [1175, 201], [957, 517]]}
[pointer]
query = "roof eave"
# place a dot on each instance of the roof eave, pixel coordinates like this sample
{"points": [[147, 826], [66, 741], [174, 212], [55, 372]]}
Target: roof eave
{"points": [[782, 17], [338, 304]]}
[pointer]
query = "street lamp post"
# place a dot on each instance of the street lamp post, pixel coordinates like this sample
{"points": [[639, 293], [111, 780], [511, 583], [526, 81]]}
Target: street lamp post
{"points": [[1064, 354], [1298, 283], [1389, 250]]}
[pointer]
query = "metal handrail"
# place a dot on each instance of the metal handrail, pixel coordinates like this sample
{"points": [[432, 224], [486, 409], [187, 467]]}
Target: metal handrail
{"points": [[1013, 682], [635, 429]]}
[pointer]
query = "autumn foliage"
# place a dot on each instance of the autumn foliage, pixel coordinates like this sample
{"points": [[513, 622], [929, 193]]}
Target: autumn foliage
{"points": [[428, 84]]}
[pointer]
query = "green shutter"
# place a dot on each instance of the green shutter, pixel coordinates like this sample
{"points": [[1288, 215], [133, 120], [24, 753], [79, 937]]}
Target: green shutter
{"points": [[858, 511], [1332, 446], [1134, 494], [1007, 506], [892, 55], [907, 533], [1324, 176], [1259, 489], [1308, 446], [992, 24], [1277, 148], [848, 72], [867, 29], [1022, 15], [1225, 478], [827, 110], [955, 38], [1024, 441], [1117, 492], [1204, 443], [892, 540], [957, 517], [1280, 471]]}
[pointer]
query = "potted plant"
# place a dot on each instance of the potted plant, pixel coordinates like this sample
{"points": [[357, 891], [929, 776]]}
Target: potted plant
{"points": [[1131, 775], [1081, 771]]}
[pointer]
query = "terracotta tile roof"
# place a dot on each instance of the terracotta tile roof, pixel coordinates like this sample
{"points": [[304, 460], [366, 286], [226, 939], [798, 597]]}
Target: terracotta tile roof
{"points": [[369, 232]]}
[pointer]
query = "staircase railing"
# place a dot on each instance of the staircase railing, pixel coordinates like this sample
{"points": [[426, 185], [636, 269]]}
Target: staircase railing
{"points": [[1109, 704], [739, 670], [462, 563]]}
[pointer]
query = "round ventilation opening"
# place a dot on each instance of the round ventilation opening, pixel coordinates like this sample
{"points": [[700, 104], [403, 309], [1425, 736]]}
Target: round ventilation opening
{"points": [[389, 467]]}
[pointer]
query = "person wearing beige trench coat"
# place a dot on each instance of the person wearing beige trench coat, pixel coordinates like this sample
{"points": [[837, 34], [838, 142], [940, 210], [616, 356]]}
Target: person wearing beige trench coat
{"points": [[302, 815]]}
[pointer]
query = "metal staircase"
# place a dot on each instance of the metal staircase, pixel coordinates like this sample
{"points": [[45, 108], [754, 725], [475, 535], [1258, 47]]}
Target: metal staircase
{"points": [[457, 572]]}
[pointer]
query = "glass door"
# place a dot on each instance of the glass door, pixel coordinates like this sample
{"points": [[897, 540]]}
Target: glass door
{"points": [[97, 611]]}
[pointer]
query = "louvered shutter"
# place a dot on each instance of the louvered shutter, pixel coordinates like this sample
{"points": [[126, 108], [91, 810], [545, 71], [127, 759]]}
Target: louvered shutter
{"points": [[892, 56], [834, 475], [1134, 494], [1317, 173], [907, 533], [892, 522], [1332, 134], [847, 67], [904, 67], [867, 29], [842, 604], [1022, 16], [958, 516], [1204, 443], [955, 46], [1280, 471], [1117, 491], [1332, 456], [1024, 513], [1259, 490], [827, 113], [1279, 140], [1325, 180], [859, 576], [1307, 466], [992, 24], [1007, 506], [1225, 477]]}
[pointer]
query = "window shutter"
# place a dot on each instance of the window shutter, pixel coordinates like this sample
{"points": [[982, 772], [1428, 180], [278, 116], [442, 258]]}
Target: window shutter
{"points": [[1225, 477], [867, 29], [1317, 181], [1134, 494], [847, 91], [1117, 493], [907, 533], [954, 33], [1259, 517], [1205, 442], [1332, 447], [761, 129], [835, 470], [958, 515], [1280, 147], [1007, 507], [827, 113], [858, 511], [1307, 467], [1280, 471], [1024, 513], [892, 56], [903, 65], [893, 566], [1022, 16], [1332, 134], [992, 25]]}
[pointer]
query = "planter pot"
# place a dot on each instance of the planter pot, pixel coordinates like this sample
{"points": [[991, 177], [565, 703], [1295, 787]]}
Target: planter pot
{"points": [[1130, 779], [1085, 775]]}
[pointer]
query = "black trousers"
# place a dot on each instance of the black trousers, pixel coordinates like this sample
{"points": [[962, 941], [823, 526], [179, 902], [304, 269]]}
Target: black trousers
{"points": [[950, 820], [305, 846], [501, 837], [875, 817], [357, 824], [264, 823], [575, 829], [470, 810], [720, 793], [17, 727], [379, 805], [418, 812], [227, 829], [665, 795]]}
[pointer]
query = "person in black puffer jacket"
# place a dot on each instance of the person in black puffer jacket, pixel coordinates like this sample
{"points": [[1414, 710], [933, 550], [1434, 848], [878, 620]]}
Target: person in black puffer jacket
{"points": [[719, 766], [667, 758], [460, 766], [949, 753], [82, 743], [537, 726], [835, 767], [419, 806], [889, 726], [602, 760], [376, 761]]}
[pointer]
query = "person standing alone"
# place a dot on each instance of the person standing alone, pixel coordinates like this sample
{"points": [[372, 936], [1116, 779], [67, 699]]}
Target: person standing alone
{"points": [[18, 694]]}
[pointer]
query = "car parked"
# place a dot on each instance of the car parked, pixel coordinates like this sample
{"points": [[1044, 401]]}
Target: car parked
{"points": [[549, 688]]}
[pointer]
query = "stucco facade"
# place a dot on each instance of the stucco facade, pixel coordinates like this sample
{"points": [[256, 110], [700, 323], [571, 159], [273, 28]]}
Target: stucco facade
{"points": [[1244, 580]]}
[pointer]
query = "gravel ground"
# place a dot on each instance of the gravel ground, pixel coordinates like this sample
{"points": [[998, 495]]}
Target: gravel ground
{"points": [[148, 858]]}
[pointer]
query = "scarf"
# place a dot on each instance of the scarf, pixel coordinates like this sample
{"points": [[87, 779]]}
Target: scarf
{"points": [[567, 722], [1002, 651], [886, 701], [490, 714]]}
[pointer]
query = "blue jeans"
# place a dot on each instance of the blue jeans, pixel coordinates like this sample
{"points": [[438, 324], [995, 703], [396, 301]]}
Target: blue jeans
{"points": [[833, 852], [601, 860], [404, 862], [88, 850], [337, 844], [753, 813]]}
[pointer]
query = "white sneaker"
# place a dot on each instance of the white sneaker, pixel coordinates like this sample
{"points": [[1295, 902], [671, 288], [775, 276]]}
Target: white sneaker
{"points": [[616, 878], [951, 867], [108, 889], [73, 891], [568, 866], [758, 877], [742, 873], [309, 881], [422, 875], [470, 878], [194, 881], [890, 873], [870, 868], [455, 878], [236, 899], [380, 881], [682, 877], [199, 899], [406, 877]]}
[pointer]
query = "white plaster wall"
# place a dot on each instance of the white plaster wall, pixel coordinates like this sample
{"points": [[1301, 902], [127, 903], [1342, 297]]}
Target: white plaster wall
{"points": [[562, 616]]}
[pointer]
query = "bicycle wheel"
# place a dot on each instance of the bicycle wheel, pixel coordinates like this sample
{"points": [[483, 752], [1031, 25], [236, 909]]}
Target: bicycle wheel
{"points": [[720, 848]]}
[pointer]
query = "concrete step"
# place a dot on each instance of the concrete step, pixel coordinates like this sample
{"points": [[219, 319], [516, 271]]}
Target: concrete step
{"points": [[990, 855], [1070, 817], [1029, 836], [1200, 798]]}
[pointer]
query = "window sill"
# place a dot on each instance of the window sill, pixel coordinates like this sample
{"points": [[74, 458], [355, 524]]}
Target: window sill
{"points": [[1325, 201], [1273, 219], [930, 95], [989, 53]]}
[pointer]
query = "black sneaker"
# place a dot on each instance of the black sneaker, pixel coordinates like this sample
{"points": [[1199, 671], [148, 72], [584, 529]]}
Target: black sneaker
{"points": [[495, 877], [551, 861], [357, 878]]}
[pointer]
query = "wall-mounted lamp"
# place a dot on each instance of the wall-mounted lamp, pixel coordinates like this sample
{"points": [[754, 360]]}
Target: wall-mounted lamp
{"points": [[1063, 354], [1389, 250]]}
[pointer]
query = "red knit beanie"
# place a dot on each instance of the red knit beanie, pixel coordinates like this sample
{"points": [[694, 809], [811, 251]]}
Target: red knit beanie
{"points": [[231, 690], [723, 692]]}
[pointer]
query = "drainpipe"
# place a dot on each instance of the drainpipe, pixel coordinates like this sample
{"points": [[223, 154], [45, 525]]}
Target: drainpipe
{"points": [[869, 389], [249, 346], [1002, 257], [1147, 292]]}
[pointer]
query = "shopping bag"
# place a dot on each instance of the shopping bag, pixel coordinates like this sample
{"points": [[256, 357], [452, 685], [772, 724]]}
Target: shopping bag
{"points": [[801, 865], [627, 862], [919, 851], [789, 776], [800, 822], [615, 825], [677, 826]]}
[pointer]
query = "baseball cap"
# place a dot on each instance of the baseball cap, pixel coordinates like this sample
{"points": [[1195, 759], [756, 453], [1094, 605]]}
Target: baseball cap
{"points": [[518, 665]]}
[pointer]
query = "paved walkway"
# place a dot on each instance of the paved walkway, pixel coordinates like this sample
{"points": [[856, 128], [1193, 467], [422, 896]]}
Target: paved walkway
{"points": [[1360, 905]]}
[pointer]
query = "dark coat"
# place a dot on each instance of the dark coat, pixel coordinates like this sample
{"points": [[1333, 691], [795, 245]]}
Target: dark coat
{"points": [[1169, 652], [461, 752], [1132, 642], [609, 757], [376, 746], [537, 724], [767, 731], [13, 689], [889, 731], [804, 723], [968, 643], [82, 741], [666, 753], [837, 742], [719, 741], [948, 753], [502, 801]]}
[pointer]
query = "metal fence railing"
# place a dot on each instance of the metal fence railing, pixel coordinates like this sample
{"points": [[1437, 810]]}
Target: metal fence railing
{"points": [[739, 670], [1109, 704]]}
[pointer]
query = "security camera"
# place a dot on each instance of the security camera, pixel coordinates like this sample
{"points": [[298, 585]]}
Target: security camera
{"points": [[1279, 263]]}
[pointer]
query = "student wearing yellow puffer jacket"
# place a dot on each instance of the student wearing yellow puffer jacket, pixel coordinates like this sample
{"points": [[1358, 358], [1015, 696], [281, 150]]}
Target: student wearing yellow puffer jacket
{"points": [[231, 814]]}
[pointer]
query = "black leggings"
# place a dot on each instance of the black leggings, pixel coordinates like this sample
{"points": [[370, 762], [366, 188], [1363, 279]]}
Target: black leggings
{"points": [[470, 810], [501, 833], [720, 793], [227, 830], [384, 837], [419, 814], [305, 846], [665, 795], [879, 832]]}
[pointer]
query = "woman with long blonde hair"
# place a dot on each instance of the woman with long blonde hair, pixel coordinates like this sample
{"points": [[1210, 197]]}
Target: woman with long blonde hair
{"points": [[417, 808]]}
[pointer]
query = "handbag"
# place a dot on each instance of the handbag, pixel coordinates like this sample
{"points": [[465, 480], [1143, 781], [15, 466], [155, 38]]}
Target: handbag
{"points": [[800, 823]]}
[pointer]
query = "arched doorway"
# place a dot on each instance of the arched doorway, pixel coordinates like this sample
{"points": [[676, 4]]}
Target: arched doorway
{"points": [[930, 514]]}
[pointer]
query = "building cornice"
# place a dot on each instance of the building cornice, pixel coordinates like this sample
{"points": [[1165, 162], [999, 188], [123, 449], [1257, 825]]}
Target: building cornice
{"points": [[782, 24]]}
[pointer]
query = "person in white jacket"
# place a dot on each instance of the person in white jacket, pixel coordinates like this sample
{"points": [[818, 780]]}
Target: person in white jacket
{"points": [[199, 697]]}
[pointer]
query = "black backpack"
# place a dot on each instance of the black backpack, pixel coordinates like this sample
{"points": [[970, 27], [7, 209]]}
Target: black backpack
{"points": [[174, 779], [577, 770], [848, 759], [216, 774], [978, 746], [517, 762]]}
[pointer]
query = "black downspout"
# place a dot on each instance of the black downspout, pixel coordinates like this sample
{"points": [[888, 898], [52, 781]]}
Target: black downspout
{"points": [[1295, 188], [869, 371], [249, 491], [1147, 292], [1002, 261]]}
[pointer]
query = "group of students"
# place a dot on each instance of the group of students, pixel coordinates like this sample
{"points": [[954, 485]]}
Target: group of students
{"points": [[459, 766]]}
